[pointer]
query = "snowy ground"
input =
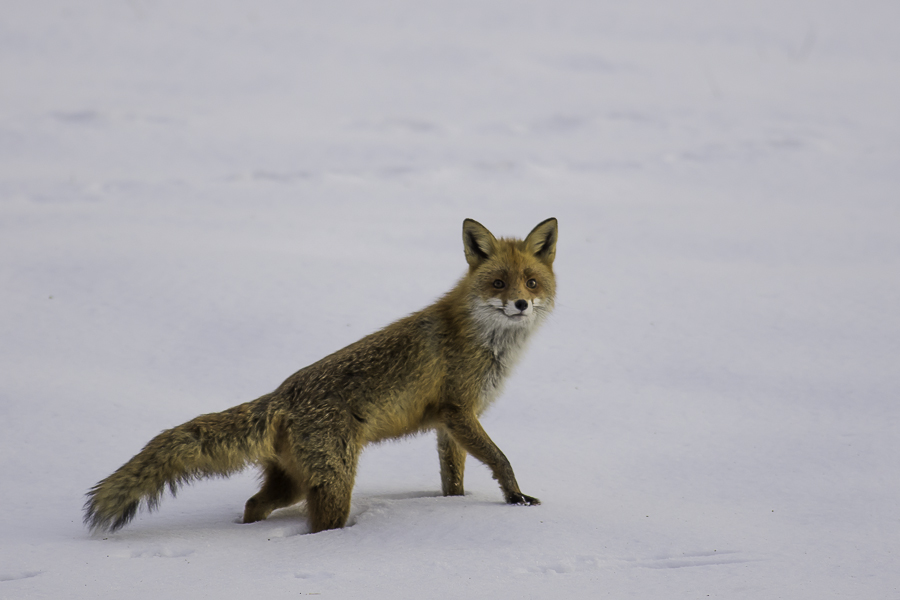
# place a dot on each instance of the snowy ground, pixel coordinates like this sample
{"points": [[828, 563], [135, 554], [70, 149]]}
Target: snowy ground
{"points": [[196, 199]]}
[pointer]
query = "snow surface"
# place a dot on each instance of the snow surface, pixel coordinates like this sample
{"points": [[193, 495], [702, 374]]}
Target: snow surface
{"points": [[198, 198]]}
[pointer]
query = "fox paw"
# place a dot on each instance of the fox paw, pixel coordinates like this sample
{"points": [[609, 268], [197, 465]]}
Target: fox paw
{"points": [[520, 498]]}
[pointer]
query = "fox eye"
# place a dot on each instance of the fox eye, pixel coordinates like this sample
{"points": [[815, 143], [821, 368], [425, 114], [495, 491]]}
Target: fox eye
{"points": [[531, 283], [498, 283]]}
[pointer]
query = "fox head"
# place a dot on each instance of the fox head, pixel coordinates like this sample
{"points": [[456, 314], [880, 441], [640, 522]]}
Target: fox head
{"points": [[510, 281]]}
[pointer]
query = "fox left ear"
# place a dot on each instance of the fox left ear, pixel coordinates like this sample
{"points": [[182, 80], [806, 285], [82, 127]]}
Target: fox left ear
{"points": [[542, 240], [478, 242]]}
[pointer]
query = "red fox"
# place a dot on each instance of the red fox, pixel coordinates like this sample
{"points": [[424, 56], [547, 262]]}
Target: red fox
{"points": [[438, 369]]}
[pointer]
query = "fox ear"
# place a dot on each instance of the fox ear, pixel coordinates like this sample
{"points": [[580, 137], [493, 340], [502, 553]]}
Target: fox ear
{"points": [[542, 240], [478, 242]]}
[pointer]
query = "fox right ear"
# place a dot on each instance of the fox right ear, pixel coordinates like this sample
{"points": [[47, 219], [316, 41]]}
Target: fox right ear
{"points": [[542, 240], [478, 242]]}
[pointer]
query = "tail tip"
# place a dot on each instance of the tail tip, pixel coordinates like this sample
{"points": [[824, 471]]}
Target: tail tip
{"points": [[97, 520]]}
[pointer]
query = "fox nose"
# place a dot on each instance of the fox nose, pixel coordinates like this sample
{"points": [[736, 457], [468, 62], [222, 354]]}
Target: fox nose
{"points": [[521, 304]]}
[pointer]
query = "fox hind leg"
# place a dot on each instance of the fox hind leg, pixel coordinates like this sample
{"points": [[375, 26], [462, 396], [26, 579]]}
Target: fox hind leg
{"points": [[329, 506], [279, 489], [331, 488], [324, 450]]}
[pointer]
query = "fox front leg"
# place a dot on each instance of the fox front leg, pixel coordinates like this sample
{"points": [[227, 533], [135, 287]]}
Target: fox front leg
{"points": [[453, 464], [468, 433]]}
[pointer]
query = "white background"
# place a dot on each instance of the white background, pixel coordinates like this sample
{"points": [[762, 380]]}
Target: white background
{"points": [[198, 198]]}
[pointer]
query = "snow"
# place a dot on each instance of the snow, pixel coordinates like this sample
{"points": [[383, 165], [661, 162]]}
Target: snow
{"points": [[198, 198]]}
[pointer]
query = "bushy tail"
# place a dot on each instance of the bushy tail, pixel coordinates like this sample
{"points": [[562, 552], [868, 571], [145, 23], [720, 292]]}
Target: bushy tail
{"points": [[217, 444]]}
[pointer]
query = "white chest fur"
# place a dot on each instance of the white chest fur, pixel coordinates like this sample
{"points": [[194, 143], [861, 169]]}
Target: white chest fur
{"points": [[507, 344]]}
